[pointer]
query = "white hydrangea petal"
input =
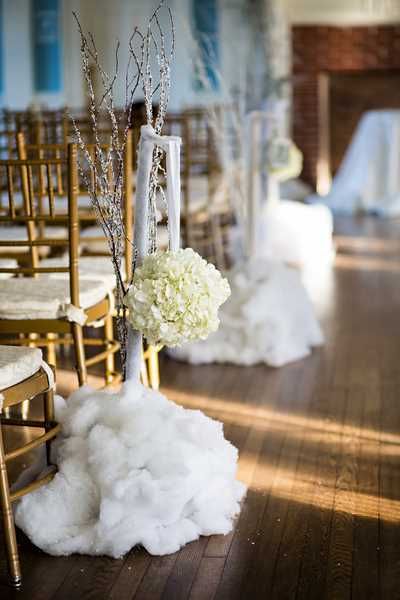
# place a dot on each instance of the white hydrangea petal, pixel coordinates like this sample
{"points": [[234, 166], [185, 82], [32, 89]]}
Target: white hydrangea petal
{"points": [[175, 297]]}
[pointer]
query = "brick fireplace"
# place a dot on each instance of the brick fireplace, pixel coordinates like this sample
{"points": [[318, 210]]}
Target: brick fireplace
{"points": [[339, 72]]}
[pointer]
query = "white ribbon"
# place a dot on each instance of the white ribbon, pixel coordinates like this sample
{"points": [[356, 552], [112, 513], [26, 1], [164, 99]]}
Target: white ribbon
{"points": [[72, 313], [50, 375], [254, 181], [171, 144], [174, 192]]}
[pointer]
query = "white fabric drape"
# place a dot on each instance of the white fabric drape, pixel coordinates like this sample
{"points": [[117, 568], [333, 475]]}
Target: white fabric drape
{"points": [[369, 176], [171, 144]]}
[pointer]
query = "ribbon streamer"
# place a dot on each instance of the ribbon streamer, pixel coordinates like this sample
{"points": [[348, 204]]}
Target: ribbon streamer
{"points": [[171, 144]]}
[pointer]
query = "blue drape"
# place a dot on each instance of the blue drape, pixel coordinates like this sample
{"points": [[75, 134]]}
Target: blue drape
{"points": [[1, 50], [47, 45], [206, 25]]}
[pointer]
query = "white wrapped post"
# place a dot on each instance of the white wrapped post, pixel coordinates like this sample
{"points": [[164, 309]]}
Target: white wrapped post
{"points": [[254, 191], [145, 161], [148, 140], [174, 192]]}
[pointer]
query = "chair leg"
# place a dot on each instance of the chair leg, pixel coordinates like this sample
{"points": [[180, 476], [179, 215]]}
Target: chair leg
{"points": [[51, 349], [217, 242], [154, 371], [8, 520], [110, 360], [48, 405], [143, 373], [31, 344], [77, 334]]}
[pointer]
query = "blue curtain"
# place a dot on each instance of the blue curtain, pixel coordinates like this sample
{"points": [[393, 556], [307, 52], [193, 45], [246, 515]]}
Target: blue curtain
{"points": [[47, 45], [206, 30], [1, 50]]}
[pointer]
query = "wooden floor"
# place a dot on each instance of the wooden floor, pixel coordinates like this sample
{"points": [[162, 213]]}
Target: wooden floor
{"points": [[319, 448]]}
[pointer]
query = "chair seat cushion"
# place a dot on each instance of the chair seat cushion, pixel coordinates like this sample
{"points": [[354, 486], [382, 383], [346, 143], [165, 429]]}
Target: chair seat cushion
{"points": [[7, 263], [93, 240], [45, 297], [198, 193], [19, 233], [84, 204], [90, 267], [60, 202], [91, 245], [201, 198], [18, 363]]}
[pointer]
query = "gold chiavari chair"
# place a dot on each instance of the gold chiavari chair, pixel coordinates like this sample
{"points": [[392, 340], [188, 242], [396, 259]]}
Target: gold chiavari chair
{"points": [[207, 217], [23, 377], [33, 302], [92, 240], [39, 126], [94, 260]]}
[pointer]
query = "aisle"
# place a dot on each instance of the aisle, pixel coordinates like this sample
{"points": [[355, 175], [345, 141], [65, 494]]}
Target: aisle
{"points": [[320, 445]]}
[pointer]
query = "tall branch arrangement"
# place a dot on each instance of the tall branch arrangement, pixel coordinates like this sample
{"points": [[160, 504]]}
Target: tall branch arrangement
{"points": [[226, 121], [242, 138], [102, 170]]}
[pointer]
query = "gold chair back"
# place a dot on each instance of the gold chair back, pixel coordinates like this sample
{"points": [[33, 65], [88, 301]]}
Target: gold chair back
{"points": [[27, 174], [59, 151]]}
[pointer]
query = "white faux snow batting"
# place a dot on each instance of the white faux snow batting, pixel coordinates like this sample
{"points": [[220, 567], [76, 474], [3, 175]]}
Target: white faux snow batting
{"points": [[268, 319], [134, 468], [298, 234]]}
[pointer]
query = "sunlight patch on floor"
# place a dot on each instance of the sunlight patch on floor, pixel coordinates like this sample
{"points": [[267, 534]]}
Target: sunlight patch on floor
{"points": [[323, 494], [362, 263], [368, 244], [251, 415]]}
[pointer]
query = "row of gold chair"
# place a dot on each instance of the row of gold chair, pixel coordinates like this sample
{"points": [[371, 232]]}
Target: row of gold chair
{"points": [[45, 181], [204, 214], [203, 228], [43, 307]]}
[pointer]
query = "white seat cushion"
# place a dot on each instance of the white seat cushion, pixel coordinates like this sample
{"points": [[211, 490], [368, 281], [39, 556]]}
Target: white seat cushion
{"points": [[45, 297], [18, 233], [198, 193], [199, 196], [84, 204], [102, 247], [90, 267], [60, 202], [87, 242], [7, 263], [18, 363]]}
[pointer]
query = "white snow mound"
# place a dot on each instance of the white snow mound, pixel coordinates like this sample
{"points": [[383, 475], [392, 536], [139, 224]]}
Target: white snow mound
{"points": [[268, 319], [134, 468], [297, 234]]}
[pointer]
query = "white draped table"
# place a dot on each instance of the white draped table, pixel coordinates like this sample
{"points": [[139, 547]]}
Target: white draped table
{"points": [[369, 177]]}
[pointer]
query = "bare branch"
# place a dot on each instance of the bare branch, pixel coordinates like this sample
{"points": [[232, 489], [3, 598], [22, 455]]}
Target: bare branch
{"points": [[101, 166]]}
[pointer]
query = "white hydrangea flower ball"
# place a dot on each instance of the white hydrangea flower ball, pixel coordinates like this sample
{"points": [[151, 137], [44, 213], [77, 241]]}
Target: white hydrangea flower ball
{"points": [[175, 296]]}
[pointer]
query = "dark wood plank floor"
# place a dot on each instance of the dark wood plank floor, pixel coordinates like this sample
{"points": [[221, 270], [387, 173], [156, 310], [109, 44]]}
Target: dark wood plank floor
{"points": [[319, 448]]}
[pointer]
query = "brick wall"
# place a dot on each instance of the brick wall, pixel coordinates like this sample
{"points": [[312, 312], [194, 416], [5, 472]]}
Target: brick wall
{"points": [[319, 49]]}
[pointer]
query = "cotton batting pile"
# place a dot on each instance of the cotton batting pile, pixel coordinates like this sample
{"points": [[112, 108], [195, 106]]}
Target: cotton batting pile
{"points": [[268, 319], [134, 468]]}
